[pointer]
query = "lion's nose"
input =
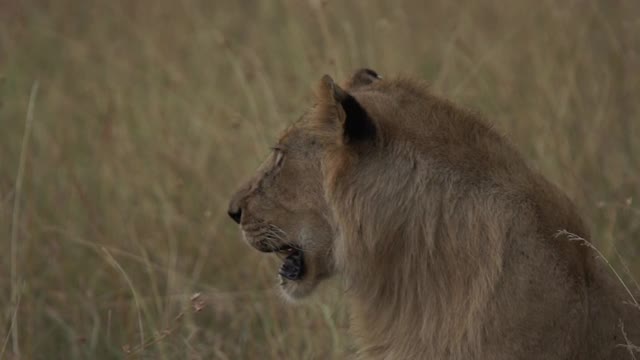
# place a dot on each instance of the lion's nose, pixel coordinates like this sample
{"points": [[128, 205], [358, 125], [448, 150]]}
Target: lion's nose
{"points": [[238, 201], [235, 212]]}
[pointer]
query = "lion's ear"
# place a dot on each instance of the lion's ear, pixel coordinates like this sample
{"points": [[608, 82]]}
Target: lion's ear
{"points": [[363, 77], [356, 123]]}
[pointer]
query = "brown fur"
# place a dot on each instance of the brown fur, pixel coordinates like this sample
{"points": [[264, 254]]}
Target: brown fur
{"points": [[443, 235]]}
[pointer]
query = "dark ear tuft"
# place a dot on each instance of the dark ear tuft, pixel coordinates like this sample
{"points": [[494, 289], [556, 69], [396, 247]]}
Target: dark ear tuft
{"points": [[363, 77], [357, 124]]}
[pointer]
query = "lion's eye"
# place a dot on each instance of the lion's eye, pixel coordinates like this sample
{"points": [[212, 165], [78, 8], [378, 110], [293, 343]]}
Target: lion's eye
{"points": [[279, 156]]}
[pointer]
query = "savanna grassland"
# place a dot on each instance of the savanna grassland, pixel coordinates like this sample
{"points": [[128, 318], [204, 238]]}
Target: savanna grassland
{"points": [[126, 125]]}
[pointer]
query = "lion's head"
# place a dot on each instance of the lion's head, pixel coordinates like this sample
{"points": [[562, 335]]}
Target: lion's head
{"points": [[282, 209]]}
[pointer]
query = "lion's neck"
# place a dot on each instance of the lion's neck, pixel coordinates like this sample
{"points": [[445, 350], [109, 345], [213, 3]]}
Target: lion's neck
{"points": [[419, 284], [437, 318]]}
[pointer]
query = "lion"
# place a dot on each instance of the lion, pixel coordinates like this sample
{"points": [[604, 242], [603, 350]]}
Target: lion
{"points": [[447, 242]]}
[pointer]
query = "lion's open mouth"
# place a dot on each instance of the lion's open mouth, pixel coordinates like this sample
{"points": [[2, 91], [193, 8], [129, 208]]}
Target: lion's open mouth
{"points": [[292, 256], [293, 265]]}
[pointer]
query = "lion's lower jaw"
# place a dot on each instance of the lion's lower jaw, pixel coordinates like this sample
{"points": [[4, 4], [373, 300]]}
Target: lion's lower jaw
{"points": [[295, 291], [315, 273]]}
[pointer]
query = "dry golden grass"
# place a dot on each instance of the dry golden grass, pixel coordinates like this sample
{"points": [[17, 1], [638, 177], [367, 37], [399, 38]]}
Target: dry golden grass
{"points": [[145, 115]]}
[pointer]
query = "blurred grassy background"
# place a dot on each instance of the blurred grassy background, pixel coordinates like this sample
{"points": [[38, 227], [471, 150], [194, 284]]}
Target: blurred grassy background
{"points": [[147, 114]]}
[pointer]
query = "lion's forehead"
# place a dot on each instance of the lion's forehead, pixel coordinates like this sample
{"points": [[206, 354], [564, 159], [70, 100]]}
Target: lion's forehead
{"points": [[306, 134]]}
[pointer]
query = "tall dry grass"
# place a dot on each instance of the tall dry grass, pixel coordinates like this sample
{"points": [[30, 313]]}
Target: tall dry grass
{"points": [[125, 125]]}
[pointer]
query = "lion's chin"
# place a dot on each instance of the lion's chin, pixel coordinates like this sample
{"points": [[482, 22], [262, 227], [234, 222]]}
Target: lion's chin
{"points": [[296, 290]]}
